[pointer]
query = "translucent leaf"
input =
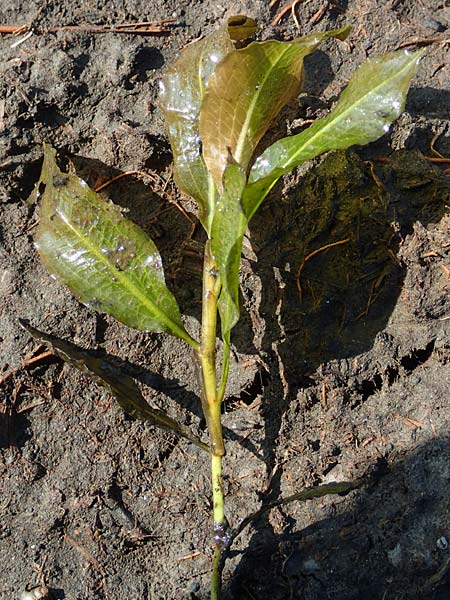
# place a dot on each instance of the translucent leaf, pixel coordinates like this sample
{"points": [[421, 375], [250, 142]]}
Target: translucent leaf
{"points": [[245, 92], [374, 98], [107, 261], [182, 90], [119, 384]]}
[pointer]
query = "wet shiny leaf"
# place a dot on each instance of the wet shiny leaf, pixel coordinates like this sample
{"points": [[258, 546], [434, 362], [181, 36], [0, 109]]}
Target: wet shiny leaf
{"points": [[119, 384], [374, 98], [107, 261], [182, 90], [245, 92]]}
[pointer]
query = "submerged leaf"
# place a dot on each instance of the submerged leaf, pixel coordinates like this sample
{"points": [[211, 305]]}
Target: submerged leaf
{"points": [[373, 99], [119, 384], [107, 261], [246, 91], [182, 90]]}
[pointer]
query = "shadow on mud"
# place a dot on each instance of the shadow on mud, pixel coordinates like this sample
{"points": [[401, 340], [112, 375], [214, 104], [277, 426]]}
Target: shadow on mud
{"points": [[330, 278], [378, 549]]}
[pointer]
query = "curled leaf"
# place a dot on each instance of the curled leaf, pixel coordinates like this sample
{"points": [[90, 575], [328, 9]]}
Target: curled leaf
{"points": [[241, 27], [107, 261], [119, 384], [182, 89]]}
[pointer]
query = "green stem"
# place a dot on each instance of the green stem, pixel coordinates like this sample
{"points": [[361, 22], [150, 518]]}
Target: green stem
{"points": [[220, 524], [216, 579], [206, 355], [211, 403], [217, 488]]}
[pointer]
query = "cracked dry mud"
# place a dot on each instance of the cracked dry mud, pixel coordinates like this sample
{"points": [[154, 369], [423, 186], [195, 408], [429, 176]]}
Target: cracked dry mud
{"points": [[340, 361]]}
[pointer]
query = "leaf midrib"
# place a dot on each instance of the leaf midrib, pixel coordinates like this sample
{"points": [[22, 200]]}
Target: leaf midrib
{"points": [[339, 117], [121, 277], [242, 136]]}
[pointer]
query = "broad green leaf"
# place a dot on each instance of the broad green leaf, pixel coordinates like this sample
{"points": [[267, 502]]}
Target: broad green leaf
{"points": [[115, 380], [182, 90], [245, 92], [228, 230], [107, 261], [373, 99]]}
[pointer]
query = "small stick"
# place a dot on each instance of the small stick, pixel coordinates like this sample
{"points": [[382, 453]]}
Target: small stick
{"points": [[294, 16], [22, 39], [12, 28], [283, 12], [368, 441], [433, 149], [189, 556], [323, 395], [308, 257], [371, 299], [435, 159], [84, 553], [445, 269], [125, 28], [125, 174], [318, 15], [144, 23], [102, 186], [142, 27], [26, 364], [424, 42], [412, 423], [28, 407]]}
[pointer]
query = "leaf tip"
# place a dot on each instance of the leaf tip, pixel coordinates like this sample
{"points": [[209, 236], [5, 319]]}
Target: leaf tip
{"points": [[49, 165], [342, 34], [241, 27], [23, 323]]}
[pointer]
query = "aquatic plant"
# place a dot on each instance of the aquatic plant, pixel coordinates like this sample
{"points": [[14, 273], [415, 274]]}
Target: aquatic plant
{"points": [[219, 98]]}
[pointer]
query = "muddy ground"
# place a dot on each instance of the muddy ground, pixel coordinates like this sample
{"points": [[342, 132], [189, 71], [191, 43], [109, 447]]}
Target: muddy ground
{"points": [[340, 363]]}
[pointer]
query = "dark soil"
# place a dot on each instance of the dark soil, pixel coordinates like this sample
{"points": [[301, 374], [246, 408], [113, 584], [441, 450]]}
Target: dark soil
{"points": [[340, 371]]}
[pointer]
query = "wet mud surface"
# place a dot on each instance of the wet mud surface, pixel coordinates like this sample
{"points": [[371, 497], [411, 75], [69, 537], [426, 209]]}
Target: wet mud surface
{"points": [[340, 363]]}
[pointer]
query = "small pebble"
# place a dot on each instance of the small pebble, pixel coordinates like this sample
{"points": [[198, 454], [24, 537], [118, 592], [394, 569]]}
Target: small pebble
{"points": [[37, 593], [7, 282], [434, 24], [442, 543], [395, 556], [311, 566]]}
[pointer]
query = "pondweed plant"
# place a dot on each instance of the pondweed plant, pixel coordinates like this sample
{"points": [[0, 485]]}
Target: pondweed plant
{"points": [[218, 102]]}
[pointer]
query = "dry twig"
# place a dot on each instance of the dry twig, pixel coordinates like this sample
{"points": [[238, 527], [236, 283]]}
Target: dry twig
{"points": [[308, 257], [25, 364], [161, 27], [424, 42], [153, 178]]}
